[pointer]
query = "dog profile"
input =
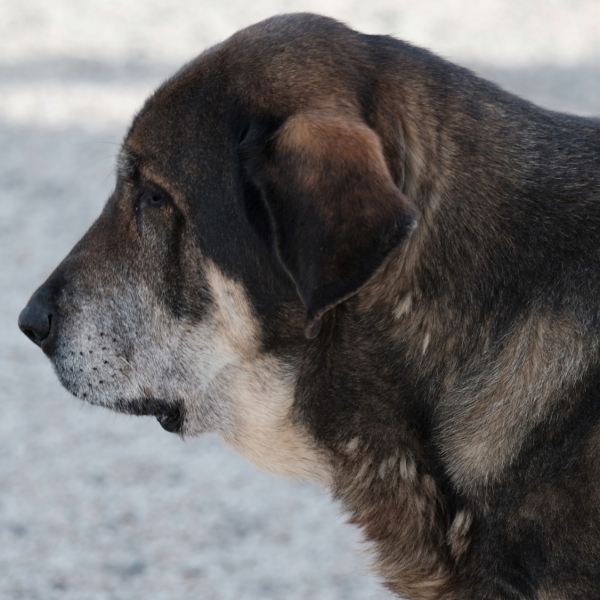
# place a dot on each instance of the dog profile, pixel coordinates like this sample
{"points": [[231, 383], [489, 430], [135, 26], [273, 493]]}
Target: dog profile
{"points": [[364, 266]]}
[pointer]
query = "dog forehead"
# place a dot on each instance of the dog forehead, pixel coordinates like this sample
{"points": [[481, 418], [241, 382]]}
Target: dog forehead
{"points": [[188, 129], [277, 67], [295, 62]]}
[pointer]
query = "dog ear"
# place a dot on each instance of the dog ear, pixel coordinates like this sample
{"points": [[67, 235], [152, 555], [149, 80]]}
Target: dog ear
{"points": [[335, 212]]}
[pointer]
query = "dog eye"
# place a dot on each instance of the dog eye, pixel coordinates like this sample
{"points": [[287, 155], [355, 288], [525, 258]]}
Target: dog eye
{"points": [[153, 199]]}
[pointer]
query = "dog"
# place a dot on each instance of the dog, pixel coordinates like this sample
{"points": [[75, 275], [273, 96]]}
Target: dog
{"points": [[364, 266]]}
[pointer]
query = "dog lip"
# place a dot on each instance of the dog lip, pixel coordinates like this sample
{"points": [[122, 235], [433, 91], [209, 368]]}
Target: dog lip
{"points": [[170, 415], [51, 341], [171, 418], [48, 346]]}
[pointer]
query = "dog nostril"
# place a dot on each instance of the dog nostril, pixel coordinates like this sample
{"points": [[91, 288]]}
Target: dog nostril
{"points": [[35, 321]]}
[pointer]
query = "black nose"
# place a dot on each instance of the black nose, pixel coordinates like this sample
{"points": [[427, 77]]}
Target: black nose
{"points": [[35, 320]]}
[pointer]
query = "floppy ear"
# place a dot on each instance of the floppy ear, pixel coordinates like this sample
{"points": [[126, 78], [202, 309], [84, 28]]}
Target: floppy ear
{"points": [[334, 209]]}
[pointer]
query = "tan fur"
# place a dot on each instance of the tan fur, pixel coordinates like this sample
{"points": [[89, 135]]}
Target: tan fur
{"points": [[261, 390], [317, 138], [458, 534], [426, 341], [411, 557], [264, 432], [490, 414], [325, 133], [403, 306], [382, 147]]}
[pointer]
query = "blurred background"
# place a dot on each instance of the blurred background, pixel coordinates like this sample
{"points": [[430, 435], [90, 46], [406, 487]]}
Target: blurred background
{"points": [[100, 506]]}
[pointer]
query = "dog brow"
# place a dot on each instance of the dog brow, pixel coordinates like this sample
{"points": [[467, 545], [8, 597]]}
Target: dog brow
{"points": [[127, 165]]}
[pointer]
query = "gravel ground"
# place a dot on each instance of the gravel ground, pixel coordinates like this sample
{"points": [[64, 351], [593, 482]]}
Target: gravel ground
{"points": [[98, 506]]}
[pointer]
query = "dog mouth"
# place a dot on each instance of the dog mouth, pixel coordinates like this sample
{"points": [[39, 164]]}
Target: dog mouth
{"points": [[171, 419], [170, 415]]}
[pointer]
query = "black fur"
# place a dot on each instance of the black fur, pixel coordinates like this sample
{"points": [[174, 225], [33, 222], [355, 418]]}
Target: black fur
{"points": [[451, 373]]}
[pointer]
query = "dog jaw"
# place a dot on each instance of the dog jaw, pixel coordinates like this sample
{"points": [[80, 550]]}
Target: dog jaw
{"points": [[125, 351], [260, 391]]}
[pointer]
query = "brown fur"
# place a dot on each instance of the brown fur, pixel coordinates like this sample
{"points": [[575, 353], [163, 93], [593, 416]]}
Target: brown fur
{"points": [[361, 265], [412, 554]]}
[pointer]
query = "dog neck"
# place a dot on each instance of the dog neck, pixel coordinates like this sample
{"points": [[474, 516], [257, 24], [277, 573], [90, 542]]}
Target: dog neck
{"points": [[459, 325]]}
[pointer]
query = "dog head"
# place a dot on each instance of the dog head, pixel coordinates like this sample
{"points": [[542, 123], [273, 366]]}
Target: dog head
{"points": [[253, 197]]}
